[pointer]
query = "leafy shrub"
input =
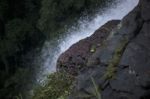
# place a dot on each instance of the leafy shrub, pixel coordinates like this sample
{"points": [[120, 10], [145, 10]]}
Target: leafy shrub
{"points": [[20, 38]]}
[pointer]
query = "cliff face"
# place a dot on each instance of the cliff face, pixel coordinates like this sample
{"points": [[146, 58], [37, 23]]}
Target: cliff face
{"points": [[114, 62]]}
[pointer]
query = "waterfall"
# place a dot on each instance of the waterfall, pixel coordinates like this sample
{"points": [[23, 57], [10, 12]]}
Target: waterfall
{"points": [[51, 52]]}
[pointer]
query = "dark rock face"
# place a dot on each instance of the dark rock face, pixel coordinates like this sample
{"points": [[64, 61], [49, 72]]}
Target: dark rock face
{"points": [[75, 58], [120, 68], [136, 56]]}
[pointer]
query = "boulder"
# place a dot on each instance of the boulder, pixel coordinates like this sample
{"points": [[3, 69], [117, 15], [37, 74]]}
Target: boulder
{"points": [[75, 58]]}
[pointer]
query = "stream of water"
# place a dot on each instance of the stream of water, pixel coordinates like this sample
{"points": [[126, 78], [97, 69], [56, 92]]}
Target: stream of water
{"points": [[51, 51]]}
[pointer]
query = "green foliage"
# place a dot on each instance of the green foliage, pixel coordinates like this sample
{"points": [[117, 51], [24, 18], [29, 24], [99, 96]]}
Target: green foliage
{"points": [[58, 14], [14, 83], [58, 86], [20, 37], [32, 10], [16, 31]]}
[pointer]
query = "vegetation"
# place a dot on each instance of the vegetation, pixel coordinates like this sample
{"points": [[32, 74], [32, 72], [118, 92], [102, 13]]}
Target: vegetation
{"points": [[14, 83], [24, 26], [18, 36], [56, 15], [58, 86]]}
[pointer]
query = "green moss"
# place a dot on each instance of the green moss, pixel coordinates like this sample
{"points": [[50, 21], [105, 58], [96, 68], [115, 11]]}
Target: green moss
{"points": [[112, 66], [58, 86]]}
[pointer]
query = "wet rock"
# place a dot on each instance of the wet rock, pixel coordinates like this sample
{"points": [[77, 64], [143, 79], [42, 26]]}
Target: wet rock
{"points": [[86, 81], [109, 93], [120, 67], [126, 30], [127, 81], [137, 56], [145, 9], [120, 83], [75, 58], [132, 23]]}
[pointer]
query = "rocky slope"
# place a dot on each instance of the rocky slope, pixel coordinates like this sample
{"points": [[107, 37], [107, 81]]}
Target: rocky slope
{"points": [[24, 27], [113, 63]]}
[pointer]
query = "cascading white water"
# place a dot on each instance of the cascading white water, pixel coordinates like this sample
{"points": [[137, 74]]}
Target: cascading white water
{"points": [[51, 52]]}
